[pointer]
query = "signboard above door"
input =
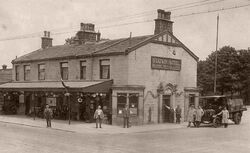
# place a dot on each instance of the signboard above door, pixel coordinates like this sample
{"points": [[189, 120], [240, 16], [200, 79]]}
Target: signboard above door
{"points": [[161, 63]]}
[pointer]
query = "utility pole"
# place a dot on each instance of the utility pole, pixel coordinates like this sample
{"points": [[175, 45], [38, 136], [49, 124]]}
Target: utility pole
{"points": [[216, 58]]}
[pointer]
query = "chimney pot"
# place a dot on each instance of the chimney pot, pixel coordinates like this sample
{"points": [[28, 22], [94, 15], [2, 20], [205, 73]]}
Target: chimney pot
{"points": [[46, 40], [163, 23], [4, 67]]}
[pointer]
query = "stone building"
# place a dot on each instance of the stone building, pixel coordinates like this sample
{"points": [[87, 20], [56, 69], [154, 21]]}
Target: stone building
{"points": [[5, 76], [147, 72]]}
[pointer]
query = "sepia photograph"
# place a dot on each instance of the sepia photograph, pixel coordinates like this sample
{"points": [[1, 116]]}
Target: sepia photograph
{"points": [[124, 76]]}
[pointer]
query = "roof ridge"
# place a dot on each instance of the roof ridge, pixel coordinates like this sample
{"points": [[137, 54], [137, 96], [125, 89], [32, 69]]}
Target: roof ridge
{"points": [[123, 39]]}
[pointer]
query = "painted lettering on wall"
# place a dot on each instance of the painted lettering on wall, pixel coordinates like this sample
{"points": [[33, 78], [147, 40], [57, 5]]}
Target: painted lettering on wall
{"points": [[161, 63]]}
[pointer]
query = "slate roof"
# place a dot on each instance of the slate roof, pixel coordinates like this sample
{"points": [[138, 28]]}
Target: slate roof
{"points": [[102, 48], [107, 47], [5, 75]]}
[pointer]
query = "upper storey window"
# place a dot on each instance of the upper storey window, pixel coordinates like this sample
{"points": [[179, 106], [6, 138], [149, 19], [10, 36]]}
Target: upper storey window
{"points": [[26, 72], [17, 71], [83, 70], [105, 69], [41, 71], [64, 70]]}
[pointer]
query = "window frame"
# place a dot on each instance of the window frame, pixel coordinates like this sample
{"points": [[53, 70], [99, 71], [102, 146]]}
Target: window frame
{"points": [[102, 67], [62, 72], [127, 96], [39, 71], [17, 72], [82, 77], [26, 75]]}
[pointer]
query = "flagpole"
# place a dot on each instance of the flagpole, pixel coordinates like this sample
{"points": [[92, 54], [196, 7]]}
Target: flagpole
{"points": [[216, 57]]}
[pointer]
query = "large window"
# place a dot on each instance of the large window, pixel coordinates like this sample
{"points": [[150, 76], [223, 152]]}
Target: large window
{"points": [[41, 71], [26, 72], [133, 103], [104, 69], [83, 70], [64, 70], [133, 100], [191, 99], [121, 102], [17, 70]]}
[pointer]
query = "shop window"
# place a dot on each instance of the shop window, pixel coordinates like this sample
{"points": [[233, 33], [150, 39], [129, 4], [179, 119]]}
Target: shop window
{"points": [[41, 71], [121, 102], [26, 72], [83, 70], [104, 69], [191, 99], [133, 103], [17, 70], [64, 71]]}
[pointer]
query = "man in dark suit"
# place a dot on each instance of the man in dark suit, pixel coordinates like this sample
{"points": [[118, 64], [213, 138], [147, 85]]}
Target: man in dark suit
{"points": [[126, 114]]}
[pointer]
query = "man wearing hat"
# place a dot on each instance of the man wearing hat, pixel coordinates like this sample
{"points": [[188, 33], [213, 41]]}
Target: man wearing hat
{"points": [[126, 114]]}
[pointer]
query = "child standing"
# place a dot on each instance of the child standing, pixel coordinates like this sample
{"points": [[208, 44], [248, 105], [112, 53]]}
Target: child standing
{"points": [[225, 116]]}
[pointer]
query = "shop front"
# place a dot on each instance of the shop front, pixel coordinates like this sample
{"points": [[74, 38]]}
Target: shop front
{"points": [[78, 102]]}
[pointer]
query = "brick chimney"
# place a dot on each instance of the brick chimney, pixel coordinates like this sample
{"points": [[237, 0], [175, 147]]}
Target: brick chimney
{"points": [[4, 67], [163, 23], [46, 40], [87, 33]]}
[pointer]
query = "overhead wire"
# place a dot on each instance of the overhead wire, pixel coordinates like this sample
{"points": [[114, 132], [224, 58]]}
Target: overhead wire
{"points": [[113, 19], [129, 23]]}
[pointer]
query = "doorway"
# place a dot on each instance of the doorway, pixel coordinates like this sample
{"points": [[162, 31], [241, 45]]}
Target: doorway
{"points": [[166, 111], [27, 104]]}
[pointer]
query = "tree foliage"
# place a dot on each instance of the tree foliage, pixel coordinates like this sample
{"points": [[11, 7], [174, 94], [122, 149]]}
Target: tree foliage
{"points": [[233, 72]]}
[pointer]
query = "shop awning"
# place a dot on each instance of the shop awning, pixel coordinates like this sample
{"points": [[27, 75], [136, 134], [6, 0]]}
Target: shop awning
{"points": [[79, 86]]}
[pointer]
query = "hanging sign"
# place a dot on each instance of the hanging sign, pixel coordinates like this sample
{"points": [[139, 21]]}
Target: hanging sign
{"points": [[79, 100], [162, 63], [51, 101]]}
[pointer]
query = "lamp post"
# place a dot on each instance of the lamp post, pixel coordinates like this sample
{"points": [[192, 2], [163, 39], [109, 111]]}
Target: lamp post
{"points": [[67, 94]]}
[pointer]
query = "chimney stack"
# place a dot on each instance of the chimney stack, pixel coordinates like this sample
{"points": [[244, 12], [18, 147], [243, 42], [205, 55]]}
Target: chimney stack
{"points": [[46, 40], [4, 67], [98, 36], [87, 34], [163, 23]]}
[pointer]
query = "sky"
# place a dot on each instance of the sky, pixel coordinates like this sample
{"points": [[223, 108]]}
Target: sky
{"points": [[29, 18]]}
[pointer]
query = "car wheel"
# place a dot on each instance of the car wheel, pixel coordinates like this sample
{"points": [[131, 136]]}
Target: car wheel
{"points": [[237, 118], [216, 122]]}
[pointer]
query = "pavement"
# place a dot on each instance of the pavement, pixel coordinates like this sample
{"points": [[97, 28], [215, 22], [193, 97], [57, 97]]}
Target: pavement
{"points": [[82, 127]]}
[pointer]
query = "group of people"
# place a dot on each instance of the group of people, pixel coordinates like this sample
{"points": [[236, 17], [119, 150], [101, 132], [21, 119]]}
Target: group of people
{"points": [[177, 111], [98, 116], [195, 115]]}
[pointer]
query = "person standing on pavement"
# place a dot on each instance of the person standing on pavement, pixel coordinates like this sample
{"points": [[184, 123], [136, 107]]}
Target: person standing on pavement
{"points": [[178, 114], [191, 115], [98, 116], [198, 115], [126, 115], [225, 116], [48, 115]]}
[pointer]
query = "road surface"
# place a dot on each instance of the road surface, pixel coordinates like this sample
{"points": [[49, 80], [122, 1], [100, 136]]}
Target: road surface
{"points": [[24, 139]]}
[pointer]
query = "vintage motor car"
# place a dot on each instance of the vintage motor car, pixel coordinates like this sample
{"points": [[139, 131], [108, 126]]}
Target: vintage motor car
{"points": [[212, 105]]}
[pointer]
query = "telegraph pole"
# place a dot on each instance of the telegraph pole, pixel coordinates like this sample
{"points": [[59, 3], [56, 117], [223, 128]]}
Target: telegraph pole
{"points": [[216, 58]]}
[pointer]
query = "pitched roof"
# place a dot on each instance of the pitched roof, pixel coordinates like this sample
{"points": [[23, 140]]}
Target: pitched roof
{"points": [[89, 49], [5, 75], [109, 47]]}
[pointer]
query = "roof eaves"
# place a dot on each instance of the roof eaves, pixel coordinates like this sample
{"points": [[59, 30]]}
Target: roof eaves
{"points": [[186, 48], [144, 42], [116, 43]]}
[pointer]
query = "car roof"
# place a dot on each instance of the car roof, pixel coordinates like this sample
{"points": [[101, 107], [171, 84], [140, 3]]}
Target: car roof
{"points": [[214, 96]]}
